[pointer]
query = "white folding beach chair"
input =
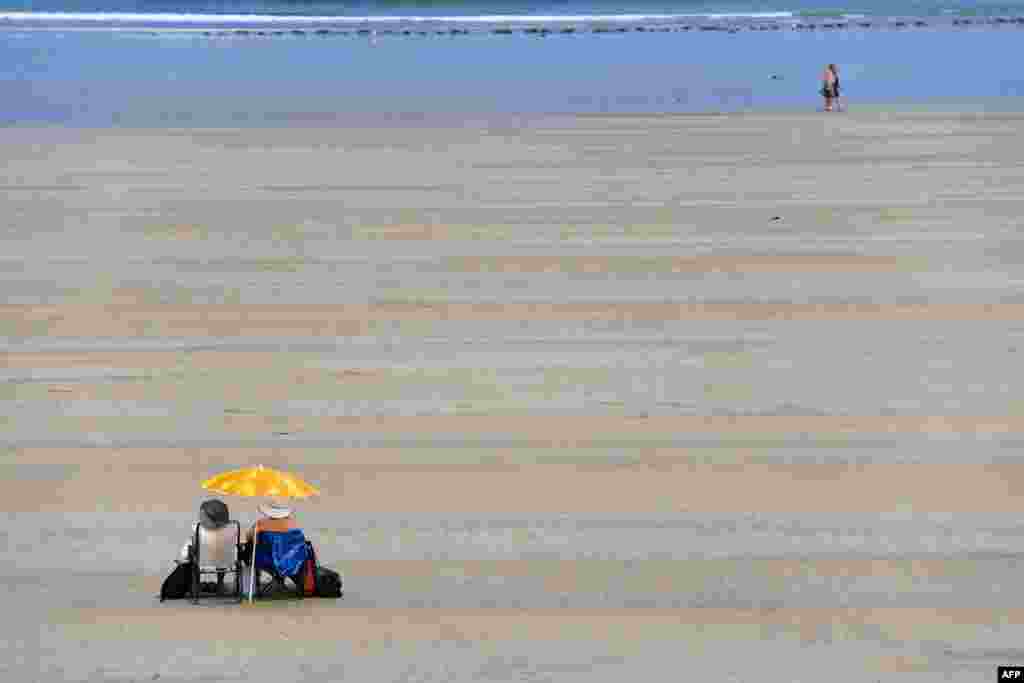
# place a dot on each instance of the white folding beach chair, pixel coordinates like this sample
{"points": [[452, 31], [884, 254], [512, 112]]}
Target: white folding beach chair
{"points": [[217, 552]]}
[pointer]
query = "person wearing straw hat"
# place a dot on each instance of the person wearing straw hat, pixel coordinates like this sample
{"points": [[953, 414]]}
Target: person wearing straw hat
{"points": [[276, 517]]}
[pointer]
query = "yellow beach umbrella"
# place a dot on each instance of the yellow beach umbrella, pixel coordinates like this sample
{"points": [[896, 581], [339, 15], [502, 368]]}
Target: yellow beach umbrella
{"points": [[259, 482]]}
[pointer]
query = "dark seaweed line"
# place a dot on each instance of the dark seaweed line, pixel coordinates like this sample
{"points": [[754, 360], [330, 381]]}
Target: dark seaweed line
{"points": [[594, 30], [717, 26]]}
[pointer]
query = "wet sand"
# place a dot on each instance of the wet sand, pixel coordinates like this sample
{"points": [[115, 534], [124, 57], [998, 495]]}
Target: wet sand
{"points": [[720, 397]]}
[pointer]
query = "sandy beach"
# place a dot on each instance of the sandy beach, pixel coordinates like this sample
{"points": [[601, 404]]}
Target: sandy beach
{"points": [[682, 397]]}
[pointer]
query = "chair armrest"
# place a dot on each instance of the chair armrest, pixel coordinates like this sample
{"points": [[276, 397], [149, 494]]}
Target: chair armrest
{"points": [[238, 536], [193, 548]]}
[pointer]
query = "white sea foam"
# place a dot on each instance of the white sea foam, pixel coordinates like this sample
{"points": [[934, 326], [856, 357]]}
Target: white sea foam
{"points": [[160, 19]]}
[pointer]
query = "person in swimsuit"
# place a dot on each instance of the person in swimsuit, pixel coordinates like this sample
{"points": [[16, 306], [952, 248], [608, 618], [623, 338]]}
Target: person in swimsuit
{"points": [[828, 84]]}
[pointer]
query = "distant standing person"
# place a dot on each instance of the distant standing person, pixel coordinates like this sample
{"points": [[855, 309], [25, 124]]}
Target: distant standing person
{"points": [[830, 85], [835, 85]]}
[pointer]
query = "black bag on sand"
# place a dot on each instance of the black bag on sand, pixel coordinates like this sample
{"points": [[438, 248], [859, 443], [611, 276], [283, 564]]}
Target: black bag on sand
{"points": [[178, 584], [328, 583]]}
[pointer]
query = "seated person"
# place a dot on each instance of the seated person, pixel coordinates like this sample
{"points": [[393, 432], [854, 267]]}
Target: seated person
{"points": [[280, 543], [216, 539]]}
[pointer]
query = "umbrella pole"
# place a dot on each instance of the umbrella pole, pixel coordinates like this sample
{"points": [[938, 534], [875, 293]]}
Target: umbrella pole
{"points": [[252, 567]]}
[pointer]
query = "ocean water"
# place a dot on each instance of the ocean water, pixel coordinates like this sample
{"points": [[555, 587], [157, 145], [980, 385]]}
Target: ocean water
{"points": [[281, 62]]}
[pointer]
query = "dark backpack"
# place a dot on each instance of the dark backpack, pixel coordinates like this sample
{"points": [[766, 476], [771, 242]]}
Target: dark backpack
{"points": [[307, 575], [178, 584], [328, 583]]}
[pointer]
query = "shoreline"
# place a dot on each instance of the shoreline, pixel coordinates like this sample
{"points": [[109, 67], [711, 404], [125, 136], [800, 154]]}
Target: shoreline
{"points": [[969, 109]]}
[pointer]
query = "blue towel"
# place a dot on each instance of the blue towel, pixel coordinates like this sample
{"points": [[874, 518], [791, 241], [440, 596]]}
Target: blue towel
{"points": [[281, 551]]}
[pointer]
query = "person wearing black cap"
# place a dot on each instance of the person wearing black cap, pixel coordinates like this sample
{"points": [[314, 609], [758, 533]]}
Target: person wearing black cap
{"points": [[216, 538]]}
